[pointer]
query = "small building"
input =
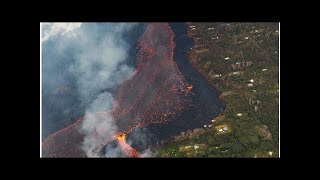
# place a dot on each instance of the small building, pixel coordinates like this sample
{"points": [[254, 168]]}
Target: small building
{"points": [[220, 130], [270, 153], [264, 69], [205, 126], [239, 114], [196, 147], [246, 38], [251, 80], [213, 120], [225, 129], [226, 58], [250, 85]]}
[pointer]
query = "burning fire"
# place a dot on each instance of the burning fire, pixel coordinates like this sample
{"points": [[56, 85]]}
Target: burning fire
{"points": [[121, 137], [189, 87], [131, 152]]}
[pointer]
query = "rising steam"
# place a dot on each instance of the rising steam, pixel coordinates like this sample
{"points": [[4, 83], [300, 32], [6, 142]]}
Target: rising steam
{"points": [[84, 62]]}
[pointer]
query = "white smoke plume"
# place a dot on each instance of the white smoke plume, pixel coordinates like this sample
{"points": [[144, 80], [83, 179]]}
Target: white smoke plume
{"points": [[147, 153], [93, 57]]}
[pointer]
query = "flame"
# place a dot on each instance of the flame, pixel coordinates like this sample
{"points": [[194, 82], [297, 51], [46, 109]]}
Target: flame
{"points": [[130, 151], [189, 87], [122, 137]]}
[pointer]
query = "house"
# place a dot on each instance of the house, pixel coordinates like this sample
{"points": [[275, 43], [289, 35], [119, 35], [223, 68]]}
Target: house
{"points": [[250, 85], [246, 38], [213, 120], [195, 146], [264, 69], [225, 129], [226, 58], [251, 80], [270, 153], [205, 126], [239, 114], [220, 130]]}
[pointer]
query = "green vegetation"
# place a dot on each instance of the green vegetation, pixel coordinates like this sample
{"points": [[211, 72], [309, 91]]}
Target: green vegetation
{"points": [[240, 60]]}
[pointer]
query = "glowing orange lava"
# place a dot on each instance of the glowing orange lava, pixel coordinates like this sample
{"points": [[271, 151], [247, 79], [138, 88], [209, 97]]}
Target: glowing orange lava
{"points": [[189, 87], [130, 152]]}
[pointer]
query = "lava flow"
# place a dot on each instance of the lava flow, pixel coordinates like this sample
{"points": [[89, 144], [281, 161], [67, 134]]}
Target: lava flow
{"points": [[155, 93], [130, 152]]}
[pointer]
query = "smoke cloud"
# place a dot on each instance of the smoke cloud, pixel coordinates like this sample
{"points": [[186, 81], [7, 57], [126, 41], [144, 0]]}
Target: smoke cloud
{"points": [[82, 65], [147, 153]]}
